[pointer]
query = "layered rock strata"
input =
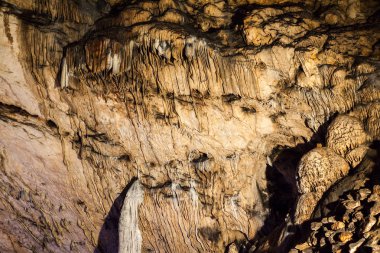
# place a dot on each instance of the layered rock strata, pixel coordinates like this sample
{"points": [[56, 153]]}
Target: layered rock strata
{"points": [[175, 126]]}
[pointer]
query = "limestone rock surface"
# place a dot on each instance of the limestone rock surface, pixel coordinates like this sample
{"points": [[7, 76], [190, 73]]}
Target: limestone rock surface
{"points": [[182, 126]]}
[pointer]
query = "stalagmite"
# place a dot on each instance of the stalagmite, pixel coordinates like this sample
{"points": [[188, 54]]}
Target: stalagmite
{"points": [[346, 133], [64, 82], [130, 239], [109, 60], [115, 64], [317, 171]]}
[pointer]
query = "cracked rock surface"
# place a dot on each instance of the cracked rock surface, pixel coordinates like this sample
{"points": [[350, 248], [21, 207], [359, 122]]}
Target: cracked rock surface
{"points": [[189, 126]]}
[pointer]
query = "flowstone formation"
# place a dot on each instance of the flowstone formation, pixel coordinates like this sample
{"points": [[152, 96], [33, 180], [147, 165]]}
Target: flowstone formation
{"points": [[189, 126], [347, 220]]}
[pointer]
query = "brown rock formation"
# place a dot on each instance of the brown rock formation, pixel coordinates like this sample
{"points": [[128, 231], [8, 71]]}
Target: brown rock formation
{"points": [[181, 126]]}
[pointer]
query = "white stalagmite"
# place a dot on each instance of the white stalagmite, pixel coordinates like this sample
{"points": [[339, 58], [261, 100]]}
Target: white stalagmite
{"points": [[109, 60], [64, 74], [130, 239], [115, 64]]}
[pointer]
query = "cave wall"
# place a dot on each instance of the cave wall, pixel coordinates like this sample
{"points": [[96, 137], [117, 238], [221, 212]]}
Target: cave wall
{"points": [[193, 100]]}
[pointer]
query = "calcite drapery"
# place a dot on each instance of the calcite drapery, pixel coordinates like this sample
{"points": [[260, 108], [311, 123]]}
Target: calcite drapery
{"points": [[193, 98]]}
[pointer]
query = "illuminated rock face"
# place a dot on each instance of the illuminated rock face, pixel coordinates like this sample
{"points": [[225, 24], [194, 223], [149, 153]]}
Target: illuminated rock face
{"points": [[179, 126]]}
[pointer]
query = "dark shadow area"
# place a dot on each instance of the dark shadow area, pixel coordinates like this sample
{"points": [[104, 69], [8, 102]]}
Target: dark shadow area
{"points": [[374, 156], [108, 241], [282, 196], [282, 192]]}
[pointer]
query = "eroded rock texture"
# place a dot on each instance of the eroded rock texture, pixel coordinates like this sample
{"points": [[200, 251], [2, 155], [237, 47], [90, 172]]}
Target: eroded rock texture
{"points": [[180, 126]]}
